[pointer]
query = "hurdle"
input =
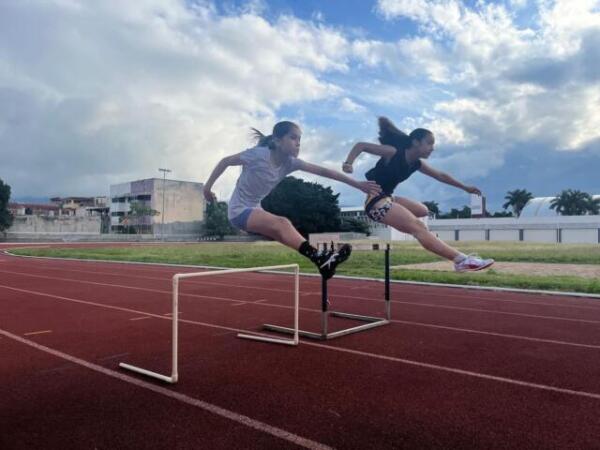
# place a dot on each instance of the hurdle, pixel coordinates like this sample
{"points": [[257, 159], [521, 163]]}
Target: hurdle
{"points": [[369, 321], [174, 377]]}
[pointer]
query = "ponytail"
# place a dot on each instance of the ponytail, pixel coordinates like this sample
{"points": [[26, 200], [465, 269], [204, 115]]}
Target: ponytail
{"points": [[390, 135], [279, 130], [261, 139]]}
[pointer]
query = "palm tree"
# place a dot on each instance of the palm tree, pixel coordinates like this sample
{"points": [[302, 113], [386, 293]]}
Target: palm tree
{"points": [[573, 203], [433, 207], [517, 200]]}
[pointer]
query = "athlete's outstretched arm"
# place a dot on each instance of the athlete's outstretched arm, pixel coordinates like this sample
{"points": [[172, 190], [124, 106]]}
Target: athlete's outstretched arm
{"points": [[368, 187], [384, 151], [233, 160], [445, 178]]}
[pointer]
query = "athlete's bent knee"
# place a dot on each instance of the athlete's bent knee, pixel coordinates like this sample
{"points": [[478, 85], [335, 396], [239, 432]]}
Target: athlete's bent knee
{"points": [[422, 211]]}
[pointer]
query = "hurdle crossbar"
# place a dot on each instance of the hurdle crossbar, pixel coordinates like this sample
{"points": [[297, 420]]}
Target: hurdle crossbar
{"points": [[174, 377], [369, 321]]}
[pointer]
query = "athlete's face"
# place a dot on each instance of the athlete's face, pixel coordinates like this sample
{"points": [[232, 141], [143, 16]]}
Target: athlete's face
{"points": [[425, 146], [290, 143]]}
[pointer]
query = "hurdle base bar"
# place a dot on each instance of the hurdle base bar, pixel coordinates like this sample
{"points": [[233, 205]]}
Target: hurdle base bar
{"points": [[260, 337], [371, 322], [172, 379]]}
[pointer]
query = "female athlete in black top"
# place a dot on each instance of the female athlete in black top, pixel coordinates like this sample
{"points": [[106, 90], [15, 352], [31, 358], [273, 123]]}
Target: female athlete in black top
{"points": [[400, 156]]}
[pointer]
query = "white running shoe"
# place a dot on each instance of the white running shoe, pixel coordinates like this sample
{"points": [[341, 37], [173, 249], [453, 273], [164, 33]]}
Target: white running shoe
{"points": [[472, 263]]}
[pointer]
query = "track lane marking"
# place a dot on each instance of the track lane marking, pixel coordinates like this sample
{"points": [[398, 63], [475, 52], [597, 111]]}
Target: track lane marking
{"points": [[453, 370], [209, 407]]}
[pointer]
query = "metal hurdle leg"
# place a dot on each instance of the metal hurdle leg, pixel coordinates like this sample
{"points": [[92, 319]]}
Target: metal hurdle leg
{"points": [[370, 321]]}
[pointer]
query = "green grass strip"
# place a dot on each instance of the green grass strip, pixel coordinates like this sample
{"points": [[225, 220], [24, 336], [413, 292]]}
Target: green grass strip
{"points": [[362, 263]]}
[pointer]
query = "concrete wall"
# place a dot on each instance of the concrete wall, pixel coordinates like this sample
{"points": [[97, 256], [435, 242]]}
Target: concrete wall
{"points": [[567, 229], [61, 224], [184, 202]]}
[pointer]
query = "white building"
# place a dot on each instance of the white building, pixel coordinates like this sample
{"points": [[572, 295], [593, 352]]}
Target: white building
{"points": [[541, 227], [183, 211], [540, 207]]}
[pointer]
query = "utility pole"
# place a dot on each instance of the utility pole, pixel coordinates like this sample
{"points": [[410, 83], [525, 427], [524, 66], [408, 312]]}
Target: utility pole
{"points": [[162, 227]]}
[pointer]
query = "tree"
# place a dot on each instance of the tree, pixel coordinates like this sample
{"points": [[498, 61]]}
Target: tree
{"points": [[351, 224], [502, 214], [464, 213], [6, 218], [311, 207], [216, 222], [433, 207], [137, 211], [573, 203], [517, 200]]}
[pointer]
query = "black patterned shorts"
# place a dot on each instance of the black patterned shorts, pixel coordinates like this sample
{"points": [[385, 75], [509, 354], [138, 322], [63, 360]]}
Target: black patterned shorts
{"points": [[377, 207]]}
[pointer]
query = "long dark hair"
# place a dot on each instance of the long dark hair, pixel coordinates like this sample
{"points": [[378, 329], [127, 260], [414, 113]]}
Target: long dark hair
{"points": [[389, 134], [279, 130]]}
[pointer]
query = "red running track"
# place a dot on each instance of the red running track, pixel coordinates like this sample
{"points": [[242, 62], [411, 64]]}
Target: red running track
{"points": [[456, 368]]}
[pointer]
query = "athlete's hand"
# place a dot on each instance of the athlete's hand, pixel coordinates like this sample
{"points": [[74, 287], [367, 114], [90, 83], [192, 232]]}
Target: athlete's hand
{"points": [[209, 195], [473, 190], [370, 187], [347, 167]]}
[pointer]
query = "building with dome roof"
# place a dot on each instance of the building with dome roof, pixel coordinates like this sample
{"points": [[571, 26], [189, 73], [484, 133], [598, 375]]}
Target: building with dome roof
{"points": [[540, 207]]}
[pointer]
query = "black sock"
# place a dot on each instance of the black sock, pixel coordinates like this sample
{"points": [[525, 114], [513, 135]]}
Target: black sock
{"points": [[308, 250]]}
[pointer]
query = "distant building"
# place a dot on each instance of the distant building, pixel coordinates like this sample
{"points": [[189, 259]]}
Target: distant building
{"points": [[34, 209], [478, 206], [82, 206], [183, 212]]}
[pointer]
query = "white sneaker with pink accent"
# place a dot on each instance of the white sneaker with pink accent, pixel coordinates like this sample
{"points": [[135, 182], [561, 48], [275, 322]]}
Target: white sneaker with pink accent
{"points": [[472, 263]]}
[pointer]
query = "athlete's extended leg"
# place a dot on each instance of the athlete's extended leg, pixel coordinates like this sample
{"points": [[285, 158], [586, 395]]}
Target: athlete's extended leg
{"points": [[404, 220], [275, 227], [282, 230]]}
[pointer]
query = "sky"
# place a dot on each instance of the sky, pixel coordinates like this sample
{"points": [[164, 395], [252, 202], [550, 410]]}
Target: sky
{"points": [[94, 93]]}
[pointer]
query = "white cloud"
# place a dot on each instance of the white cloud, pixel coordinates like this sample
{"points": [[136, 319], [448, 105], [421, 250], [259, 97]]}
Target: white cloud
{"points": [[94, 93], [512, 85], [350, 106]]}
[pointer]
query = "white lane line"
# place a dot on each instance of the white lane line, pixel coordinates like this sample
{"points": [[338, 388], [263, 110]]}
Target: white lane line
{"points": [[141, 318], [117, 356], [213, 409], [347, 350], [491, 333], [149, 315], [262, 300], [469, 373], [33, 333], [427, 305], [135, 288]]}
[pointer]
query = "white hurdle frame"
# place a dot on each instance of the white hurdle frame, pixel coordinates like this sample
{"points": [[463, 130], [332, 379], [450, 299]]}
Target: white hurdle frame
{"points": [[257, 337]]}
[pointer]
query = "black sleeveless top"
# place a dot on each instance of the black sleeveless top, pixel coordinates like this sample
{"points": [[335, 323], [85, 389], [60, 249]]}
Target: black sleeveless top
{"points": [[393, 172]]}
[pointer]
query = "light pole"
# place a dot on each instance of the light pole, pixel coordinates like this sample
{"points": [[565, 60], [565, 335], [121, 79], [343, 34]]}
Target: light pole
{"points": [[162, 227]]}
